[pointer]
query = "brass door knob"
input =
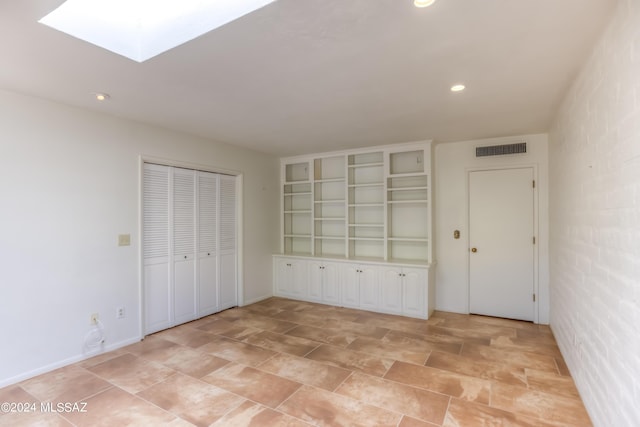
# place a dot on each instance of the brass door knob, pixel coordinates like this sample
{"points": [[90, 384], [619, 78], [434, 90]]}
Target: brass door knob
{"points": [[474, 250]]}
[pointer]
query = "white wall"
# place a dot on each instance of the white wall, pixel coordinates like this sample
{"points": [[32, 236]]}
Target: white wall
{"points": [[595, 224], [452, 164], [69, 184]]}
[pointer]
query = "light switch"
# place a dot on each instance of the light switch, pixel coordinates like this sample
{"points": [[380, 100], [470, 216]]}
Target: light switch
{"points": [[124, 239]]}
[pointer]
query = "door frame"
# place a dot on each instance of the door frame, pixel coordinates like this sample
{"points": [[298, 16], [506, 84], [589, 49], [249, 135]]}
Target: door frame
{"points": [[142, 159], [536, 231]]}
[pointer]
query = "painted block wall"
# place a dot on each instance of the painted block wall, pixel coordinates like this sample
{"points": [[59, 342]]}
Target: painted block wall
{"points": [[595, 224], [452, 164], [69, 184]]}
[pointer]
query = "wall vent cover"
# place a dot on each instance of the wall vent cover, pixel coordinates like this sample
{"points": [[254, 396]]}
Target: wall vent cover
{"points": [[501, 150]]}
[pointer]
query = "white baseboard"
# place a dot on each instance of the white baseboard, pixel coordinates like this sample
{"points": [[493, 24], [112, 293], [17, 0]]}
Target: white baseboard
{"points": [[65, 362]]}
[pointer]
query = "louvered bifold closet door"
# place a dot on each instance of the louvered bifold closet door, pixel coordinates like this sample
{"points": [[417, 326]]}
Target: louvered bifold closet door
{"points": [[207, 238], [158, 299], [228, 242], [184, 244]]}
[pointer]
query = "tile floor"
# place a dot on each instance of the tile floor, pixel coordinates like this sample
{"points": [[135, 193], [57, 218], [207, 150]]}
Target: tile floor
{"points": [[290, 363]]}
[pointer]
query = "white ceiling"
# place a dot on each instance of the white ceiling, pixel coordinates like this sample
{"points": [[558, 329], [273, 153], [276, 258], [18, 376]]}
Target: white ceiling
{"points": [[301, 76]]}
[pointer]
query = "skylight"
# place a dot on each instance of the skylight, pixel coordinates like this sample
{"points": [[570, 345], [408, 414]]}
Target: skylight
{"points": [[142, 29]]}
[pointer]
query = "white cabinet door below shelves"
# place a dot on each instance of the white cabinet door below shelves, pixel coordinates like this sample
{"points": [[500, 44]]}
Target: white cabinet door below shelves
{"points": [[360, 286], [391, 295], [324, 282], [279, 275], [384, 288], [291, 277], [331, 283], [316, 276], [350, 285], [414, 284], [369, 277], [404, 291]]}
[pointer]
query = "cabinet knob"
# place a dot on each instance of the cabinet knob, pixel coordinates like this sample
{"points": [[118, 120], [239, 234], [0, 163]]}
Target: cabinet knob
{"points": [[474, 250], [185, 257], [208, 253], [288, 265]]}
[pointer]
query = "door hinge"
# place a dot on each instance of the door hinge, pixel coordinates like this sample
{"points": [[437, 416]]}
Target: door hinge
{"points": [[534, 240], [534, 297], [534, 183]]}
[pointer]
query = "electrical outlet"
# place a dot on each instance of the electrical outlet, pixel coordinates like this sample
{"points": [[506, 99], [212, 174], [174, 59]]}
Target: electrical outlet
{"points": [[94, 318], [120, 313]]}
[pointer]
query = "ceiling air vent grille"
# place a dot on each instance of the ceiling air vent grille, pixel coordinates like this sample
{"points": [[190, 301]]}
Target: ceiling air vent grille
{"points": [[501, 150]]}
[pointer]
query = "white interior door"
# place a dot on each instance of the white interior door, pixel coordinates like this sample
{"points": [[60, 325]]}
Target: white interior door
{"points": [[228, 284], [207, 246], [184, 245], [189, 245], [501, 232], [158, 296]]}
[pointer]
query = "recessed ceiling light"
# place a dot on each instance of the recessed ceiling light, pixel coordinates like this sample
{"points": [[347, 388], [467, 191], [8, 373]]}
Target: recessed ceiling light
{"points": [[423, 3], [457, 88], [102, 96], [142, 29]]}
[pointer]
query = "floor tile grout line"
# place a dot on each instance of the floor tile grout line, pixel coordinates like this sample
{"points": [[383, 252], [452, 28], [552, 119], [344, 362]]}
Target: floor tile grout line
{"points": [[311, 351], [234, 408], [353, 398], [288, 398], [277, 408], [137, 395], [351, 373], [555, 360], [449, 397], [246, 399], [446, 412], [273, 356]]}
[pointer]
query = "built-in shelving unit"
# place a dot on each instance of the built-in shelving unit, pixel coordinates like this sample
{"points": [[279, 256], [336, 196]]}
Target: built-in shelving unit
{"points": [[356, 229], [297, 209], [369, 204], [366, 205], [329, 206], [408, 209]]}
